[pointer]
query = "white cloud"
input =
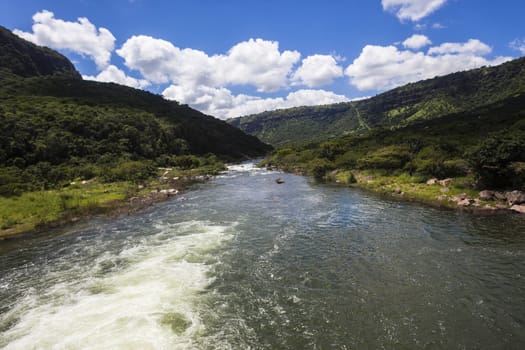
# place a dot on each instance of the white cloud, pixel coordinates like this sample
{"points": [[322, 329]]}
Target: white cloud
{"points": [[161, 62], [317, 70], [518, 45], [221, 103], [309, 97], [386, 67], [471, 47], [294, 99], [413, 10], [204, 98], [113, 74], [416, 41], [81, 37], [254, 62]]}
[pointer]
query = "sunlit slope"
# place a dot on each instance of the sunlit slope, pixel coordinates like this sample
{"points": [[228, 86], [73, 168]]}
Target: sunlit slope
{"points": [[413, 103]]}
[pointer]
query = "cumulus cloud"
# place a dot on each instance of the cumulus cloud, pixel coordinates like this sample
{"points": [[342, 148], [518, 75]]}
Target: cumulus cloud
{"points": [[386, 67], [221, 103], [81, 37], [471, 47], [413, 10], [161, 62], [518, 45], [416, 41], [317, 70], [204, 98], [254, 62], [113, 74]]}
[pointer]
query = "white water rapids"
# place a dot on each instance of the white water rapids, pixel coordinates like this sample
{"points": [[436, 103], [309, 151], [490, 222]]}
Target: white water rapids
{"points": [[145, 301]]}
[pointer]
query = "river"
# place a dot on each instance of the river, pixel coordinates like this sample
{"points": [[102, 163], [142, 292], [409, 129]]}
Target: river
{"points": [[242, 262]]}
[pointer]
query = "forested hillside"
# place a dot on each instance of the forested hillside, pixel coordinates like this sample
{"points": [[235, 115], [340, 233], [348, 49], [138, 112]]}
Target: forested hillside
{"points": [[55, 127], [398, 108], [483, 147], [468, 125], [26, 59]]}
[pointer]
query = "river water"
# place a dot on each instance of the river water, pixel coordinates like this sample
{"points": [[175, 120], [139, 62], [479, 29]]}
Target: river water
{"points": [[244, 263]]}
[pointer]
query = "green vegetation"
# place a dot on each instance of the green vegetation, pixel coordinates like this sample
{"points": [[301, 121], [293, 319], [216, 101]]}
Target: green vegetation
{"points": [[57, 129], [32, 209], [111, 193], [499, 161], [411, 104], [413, 188], [469, 126], [22, 58], [484, 147]]}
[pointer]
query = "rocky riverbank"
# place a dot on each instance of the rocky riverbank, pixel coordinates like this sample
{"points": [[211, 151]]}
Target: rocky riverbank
{"points": [[455, 193]]}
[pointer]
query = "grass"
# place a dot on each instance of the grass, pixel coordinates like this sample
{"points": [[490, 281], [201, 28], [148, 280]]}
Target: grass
{"points": [[33, 209], [415, 187], [38, 209]]}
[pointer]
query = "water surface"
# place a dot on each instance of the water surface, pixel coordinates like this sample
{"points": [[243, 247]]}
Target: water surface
{"points": [[242, 262]]}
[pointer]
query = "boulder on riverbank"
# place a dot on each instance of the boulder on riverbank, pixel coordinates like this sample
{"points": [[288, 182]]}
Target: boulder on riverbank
{"points": [[465, 202], [515, 197], [518, 208], [486, 195], [445, 182], [432, 182]]}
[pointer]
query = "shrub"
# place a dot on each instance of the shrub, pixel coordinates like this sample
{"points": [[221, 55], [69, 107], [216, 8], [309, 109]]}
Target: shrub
{"points": [[434, 161], [319, 167], [135, 171], [346, 177], [455, 167], [348, 159], [12, 182], [281, 153], [497, 161], [389, 158], [164, 160], [186, 162], [330, 150]]}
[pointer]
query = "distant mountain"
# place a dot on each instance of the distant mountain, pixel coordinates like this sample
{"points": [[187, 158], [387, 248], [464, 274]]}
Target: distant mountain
{"points": [[413, 103], [53, 123]]}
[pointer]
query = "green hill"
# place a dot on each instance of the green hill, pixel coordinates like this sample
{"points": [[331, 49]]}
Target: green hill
{"points": [[25, 59], [482, 147], [55, 127], [468, 125], [397, 108]]}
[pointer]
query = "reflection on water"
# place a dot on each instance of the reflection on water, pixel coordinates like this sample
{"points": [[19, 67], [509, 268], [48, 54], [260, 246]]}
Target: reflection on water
{"points": [[246, 263]]}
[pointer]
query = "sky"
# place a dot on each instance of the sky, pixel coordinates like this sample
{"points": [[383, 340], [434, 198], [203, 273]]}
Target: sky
{"points": [[230, 58]]}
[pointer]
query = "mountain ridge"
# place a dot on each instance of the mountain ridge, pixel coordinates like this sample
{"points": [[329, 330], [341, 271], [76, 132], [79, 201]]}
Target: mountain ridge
{"points": [[399, 107]]}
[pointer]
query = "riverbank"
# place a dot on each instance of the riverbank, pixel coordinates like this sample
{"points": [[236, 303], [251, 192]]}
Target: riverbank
{"points": [[451, 193], [36, 211]]}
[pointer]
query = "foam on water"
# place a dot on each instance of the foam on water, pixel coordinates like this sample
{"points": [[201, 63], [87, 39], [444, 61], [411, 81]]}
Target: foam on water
{"points": [[242, 167], [145, 300], [248, 167]]}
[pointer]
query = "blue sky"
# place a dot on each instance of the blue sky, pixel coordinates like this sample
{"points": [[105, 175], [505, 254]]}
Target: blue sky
{"points": [[229, 58]]}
